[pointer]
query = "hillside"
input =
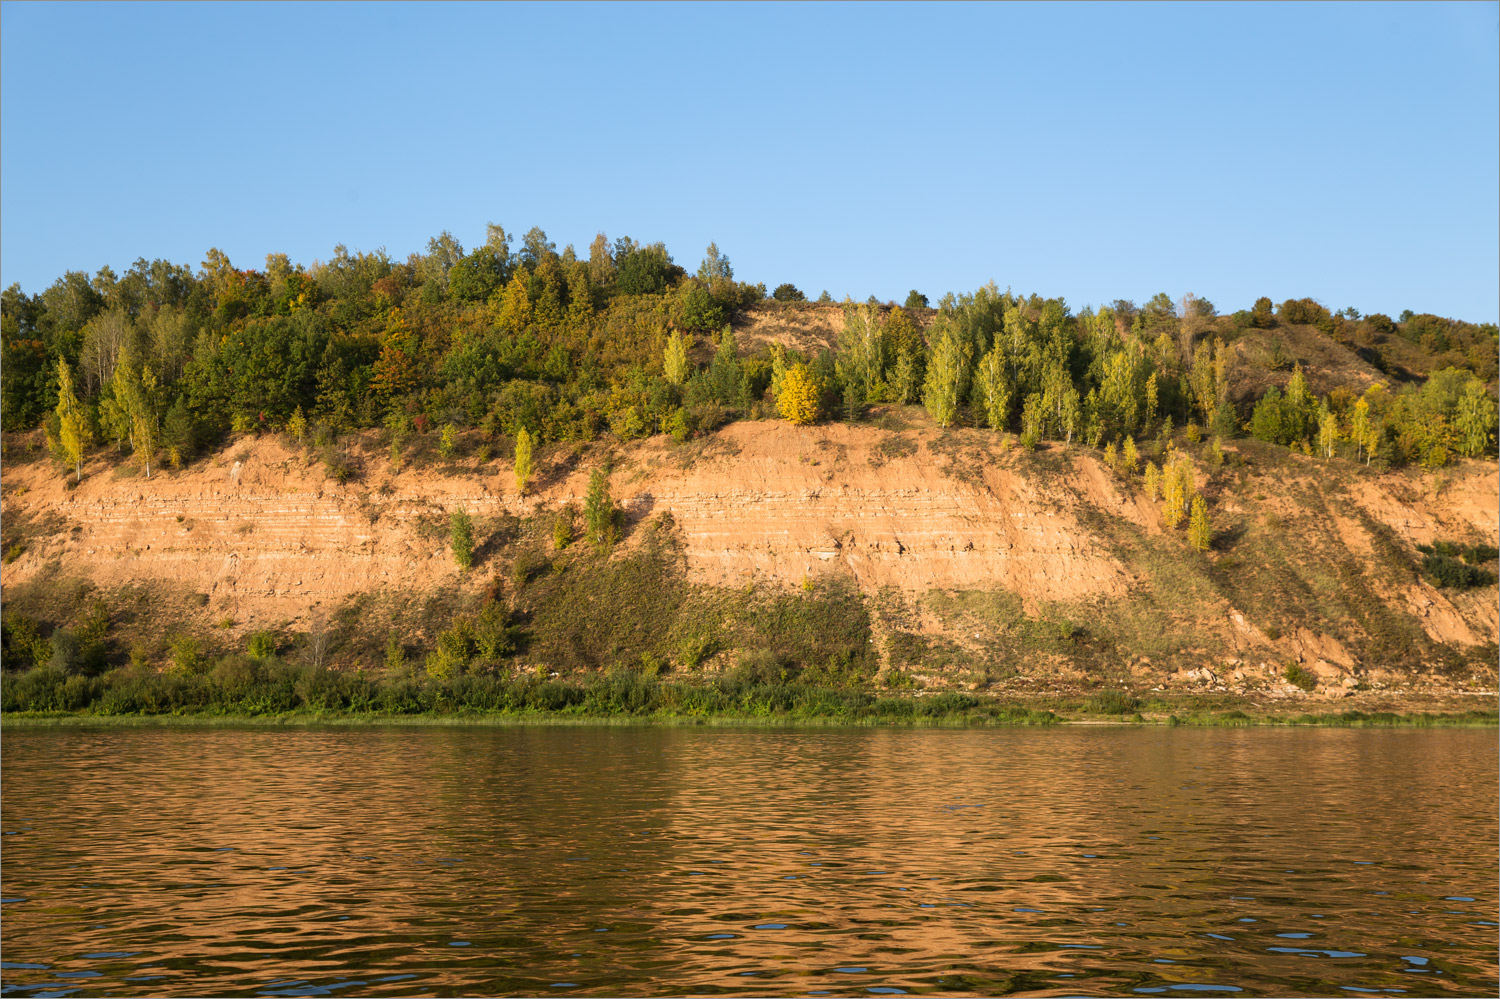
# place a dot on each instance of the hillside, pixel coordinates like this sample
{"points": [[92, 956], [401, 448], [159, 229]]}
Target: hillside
{"points": [[896, 552]]}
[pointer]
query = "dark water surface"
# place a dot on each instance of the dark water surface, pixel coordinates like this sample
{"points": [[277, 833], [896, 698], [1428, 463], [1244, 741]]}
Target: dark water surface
{"points": [[551, 861]]}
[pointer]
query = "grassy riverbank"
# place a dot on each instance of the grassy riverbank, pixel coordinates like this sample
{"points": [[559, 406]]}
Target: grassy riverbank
{"points": [[292, 695]]}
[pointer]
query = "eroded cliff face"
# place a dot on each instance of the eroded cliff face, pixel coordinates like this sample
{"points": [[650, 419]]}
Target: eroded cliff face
{"points": [[1313, 560]]}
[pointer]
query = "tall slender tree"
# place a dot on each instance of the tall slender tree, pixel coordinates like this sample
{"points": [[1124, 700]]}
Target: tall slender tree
{"points": [[947, 376], [523, 460], [73, 422], [1199, 533]]}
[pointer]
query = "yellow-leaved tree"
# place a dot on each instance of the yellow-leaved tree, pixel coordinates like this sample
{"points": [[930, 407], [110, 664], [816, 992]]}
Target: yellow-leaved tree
{"points": [[798, 400], [515, 305], [675, 358], [1328, 432], [1199, 534], [1177, 491], [523, 460], [73, 423]]}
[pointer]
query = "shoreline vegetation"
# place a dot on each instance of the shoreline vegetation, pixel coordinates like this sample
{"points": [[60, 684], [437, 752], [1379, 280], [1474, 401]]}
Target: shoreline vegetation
{"points": [[311, 697], [1190, 480]]}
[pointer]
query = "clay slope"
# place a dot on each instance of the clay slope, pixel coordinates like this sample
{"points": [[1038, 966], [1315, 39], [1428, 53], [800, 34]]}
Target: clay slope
{"points": [[1312, 560]]}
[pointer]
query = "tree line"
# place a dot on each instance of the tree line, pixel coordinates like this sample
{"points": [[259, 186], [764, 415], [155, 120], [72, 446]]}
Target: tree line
{"points": [[165, 361]]}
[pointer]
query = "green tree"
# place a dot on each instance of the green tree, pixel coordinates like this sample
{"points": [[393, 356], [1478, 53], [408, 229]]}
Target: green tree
{"points": [[179, 432], [907, 352], [523, 460], [536, 247], [74, 429], [599, 513], [916, 300], [601, 264], [715, 266], [860, 359], [994, 388], [788, 293], [1033, 420], [1261, 315], [700, 310], [643, 270], [947, 376], [461, 538], [484, 270], [1474, 419], [136, 394], [443, 253]]}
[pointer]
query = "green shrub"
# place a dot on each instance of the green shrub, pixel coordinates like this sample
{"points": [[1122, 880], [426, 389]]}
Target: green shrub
{"points": [[461, 538], [1443, 570], [262, 645], [493, 640], [900, 679], [755, 667], [187, 656], [236, 675], [562, 528], [1300, 676], [455, 647], [395, 654]]}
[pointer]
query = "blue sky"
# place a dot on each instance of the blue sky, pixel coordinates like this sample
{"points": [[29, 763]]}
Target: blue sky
{"points": [[1346, 152]]}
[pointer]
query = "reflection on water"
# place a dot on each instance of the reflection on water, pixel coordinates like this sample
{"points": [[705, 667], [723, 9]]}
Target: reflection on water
{"points": [[647, 862]]}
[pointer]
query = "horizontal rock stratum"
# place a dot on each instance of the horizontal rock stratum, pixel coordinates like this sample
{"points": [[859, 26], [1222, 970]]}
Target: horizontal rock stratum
{"points": [[266, 533]]}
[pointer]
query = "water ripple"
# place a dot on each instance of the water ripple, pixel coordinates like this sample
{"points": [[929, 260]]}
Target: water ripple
{"points": [[724, 862]]}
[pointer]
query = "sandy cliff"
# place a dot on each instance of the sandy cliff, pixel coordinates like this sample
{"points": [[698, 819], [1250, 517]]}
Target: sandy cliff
{"points": [[1313, 560]]}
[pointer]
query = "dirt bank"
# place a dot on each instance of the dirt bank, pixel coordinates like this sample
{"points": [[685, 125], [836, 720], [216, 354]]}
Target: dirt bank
{"points": [[967, 551]]}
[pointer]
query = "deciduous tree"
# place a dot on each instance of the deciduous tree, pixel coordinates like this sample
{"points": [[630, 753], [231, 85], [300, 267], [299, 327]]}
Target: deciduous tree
{"points": [[1199, 534], [74, 430], [798, 399], [994, 388], [599, 512], [947, 375], [675, 358], [1475, 419], [461, 538], [1177, 491], [523, 460]]}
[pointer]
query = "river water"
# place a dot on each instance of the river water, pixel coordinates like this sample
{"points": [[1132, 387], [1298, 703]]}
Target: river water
{"points": [[630, 861]]}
